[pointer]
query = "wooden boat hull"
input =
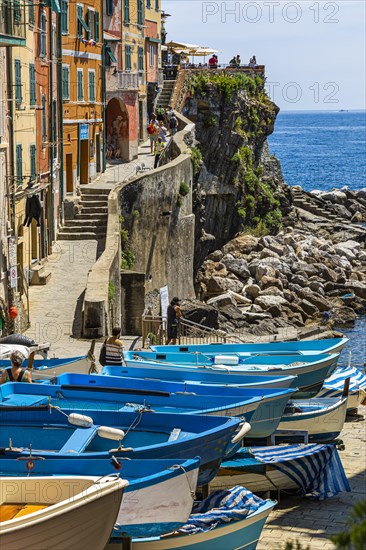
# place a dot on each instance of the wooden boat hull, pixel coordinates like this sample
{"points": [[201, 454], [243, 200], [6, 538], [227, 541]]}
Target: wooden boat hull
{"points": [[323, 419], [72, 518], [158, 499], [237, 534]]}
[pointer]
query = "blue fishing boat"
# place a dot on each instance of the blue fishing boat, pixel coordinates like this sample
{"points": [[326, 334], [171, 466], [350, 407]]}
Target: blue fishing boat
{"points": [[263, 408], [208, 378], [311, 370], [158, 499], [301, 347], [228, 519], [333, 386], [314, 470], [51, 433], [49, 368]]}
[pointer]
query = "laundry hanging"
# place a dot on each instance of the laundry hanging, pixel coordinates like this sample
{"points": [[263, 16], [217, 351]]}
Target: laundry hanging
{"points": [[33, 209]]}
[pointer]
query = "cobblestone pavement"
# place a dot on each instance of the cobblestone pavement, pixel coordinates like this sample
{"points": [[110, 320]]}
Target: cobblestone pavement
{"points": [[313, 522]]}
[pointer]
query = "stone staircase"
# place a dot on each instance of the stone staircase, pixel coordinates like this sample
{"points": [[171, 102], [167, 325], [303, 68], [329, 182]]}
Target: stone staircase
{"points": [[311, 203], [91, 222], [166, 93]]}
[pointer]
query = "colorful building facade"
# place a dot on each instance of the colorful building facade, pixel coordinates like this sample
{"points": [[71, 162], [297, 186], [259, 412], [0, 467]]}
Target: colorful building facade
{"points": [[82, 92], [153, 51]]}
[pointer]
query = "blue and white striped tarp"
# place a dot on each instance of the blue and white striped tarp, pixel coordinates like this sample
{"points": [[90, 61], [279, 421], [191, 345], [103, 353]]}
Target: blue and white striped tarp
{"points": [[333, 386], [222, 507], [316, 469]]}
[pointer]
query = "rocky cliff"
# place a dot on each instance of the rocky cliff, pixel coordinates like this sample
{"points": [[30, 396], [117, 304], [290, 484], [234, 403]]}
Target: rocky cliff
{"points": [[238, 183]]}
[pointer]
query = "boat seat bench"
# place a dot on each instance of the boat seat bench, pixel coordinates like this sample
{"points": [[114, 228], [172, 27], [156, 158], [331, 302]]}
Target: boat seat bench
{"points": [[79, 440]]}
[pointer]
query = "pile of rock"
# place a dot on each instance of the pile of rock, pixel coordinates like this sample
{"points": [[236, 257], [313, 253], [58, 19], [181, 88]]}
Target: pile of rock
{"points": [[294, 278], [350, 205]]}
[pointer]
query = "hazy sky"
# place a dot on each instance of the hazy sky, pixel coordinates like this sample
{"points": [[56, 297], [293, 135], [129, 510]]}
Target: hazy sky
{"points": [[314, 51]]}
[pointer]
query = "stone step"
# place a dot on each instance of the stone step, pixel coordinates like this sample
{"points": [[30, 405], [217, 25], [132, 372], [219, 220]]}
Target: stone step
{"points": [[40, 276], [94, 210], [90, 236], [92, 216], [94, 197], [79, 229], [94, 204], [87, 190], [93, 222]]}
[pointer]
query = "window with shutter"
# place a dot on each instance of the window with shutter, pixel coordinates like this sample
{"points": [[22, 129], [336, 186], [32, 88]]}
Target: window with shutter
{"points": [[64, 16], [16, 10], [109, 7], [91, 76], [80, 85], [65, 82], [31, 12], [19, 163], [18, 83], [79, 26], [126, 11], [157, 5], [43, 37], [44, 119], [128, 58], [33, 167], [96, 27], [140, 12], [141, 58], [32, 84], [90, 20]]}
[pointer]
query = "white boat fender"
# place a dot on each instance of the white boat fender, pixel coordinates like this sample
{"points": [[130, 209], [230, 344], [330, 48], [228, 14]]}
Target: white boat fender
{"points": [[110, 433], [245, 427], [80, 420], [231, 360]]}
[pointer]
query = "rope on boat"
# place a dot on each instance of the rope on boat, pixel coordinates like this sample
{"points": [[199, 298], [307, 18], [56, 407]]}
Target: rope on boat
{"points": [[180, 467]]}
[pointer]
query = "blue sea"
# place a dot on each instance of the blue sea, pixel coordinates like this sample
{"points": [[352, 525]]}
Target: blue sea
{"points": [[321, 150]]}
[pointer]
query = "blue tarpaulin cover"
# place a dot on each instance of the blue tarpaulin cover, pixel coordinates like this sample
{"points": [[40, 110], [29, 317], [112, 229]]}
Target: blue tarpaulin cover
{"points": [[333, 386]]}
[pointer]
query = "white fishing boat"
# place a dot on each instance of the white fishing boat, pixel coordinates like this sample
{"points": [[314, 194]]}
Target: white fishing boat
{"points": [[39, 513]]}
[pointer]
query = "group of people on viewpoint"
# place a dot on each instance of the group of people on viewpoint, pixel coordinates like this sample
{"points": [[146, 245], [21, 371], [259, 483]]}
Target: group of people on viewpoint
{"points": [[160, 123], [213, 63]]}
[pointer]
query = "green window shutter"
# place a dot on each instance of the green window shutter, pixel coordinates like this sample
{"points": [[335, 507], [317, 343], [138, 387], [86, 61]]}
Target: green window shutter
{"points": [[90, 21], [110, 57], [109, 7], [148, 4], [18, 82], [16, 10], [91, 76], [140, 12], [156, 5], [53, 121], [19, 163], [43, 37], [80, 86], [44, 119], [32, 84], [141, 58], [79, 15], [64, 17], [65, 83], [128, 58], [96, 27], [33, 167], [126, 11], [31, 12]]}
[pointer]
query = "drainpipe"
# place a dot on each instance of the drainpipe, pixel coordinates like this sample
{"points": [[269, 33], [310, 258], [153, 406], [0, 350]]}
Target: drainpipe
{"points": [[11, 158], [104, 100], [60, 109], [53, 125]]}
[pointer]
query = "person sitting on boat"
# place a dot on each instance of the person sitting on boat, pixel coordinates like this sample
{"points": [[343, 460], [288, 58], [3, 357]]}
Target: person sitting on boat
{"points": [[114, 349], [15, 373], [174, 313]]}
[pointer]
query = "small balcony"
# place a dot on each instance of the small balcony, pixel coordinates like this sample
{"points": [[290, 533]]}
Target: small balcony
{"points": [[128, 81], [12, 23]]}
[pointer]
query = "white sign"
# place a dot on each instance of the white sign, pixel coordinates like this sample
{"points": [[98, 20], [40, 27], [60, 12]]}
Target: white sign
{"points": [[13, 276], [164, 301], [12, 251]]}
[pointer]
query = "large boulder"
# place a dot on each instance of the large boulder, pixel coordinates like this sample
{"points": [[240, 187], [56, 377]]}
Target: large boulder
{"points": [[264, 270], [265, 302], [222, 300], [308, 307], [242, 245], [267, 282], [252, 291], [201, 313], [239, 267]]}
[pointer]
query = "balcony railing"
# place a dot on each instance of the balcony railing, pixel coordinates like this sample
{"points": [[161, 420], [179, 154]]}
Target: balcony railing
{"points": [[127, 80], [12, 23]]}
